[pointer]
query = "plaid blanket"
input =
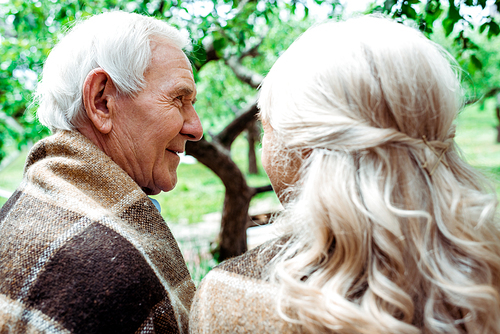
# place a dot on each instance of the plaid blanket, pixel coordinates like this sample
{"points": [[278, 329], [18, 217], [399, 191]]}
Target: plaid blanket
{"points": [[235, 297], [84, 250]]}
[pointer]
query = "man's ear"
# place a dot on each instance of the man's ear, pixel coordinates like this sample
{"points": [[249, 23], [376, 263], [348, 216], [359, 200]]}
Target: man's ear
{"points": [[99, 94]]}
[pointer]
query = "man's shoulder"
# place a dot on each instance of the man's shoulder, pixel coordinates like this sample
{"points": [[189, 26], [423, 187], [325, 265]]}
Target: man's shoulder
{"points": [[88, 273], [70, 271]]}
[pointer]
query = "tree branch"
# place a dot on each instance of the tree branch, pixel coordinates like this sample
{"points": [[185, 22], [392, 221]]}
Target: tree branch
{"points": [[252, 78], [208, 153], [492, 92], [253, 50], [210, 50], [237, 126], [11, 122], [263, 189], [161, 7]]}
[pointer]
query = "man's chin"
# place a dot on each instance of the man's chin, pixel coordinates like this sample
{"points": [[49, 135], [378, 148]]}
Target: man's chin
{"points": [[158, 189], [150, 192]]}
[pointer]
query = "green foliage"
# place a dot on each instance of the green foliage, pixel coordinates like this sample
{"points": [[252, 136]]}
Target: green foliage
{"points": [[463, 34], [478, 58], [220, 96], [493, 28]]}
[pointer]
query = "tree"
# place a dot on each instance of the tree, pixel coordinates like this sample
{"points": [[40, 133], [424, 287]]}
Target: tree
{"points": [[466, 28], [235, 41]]}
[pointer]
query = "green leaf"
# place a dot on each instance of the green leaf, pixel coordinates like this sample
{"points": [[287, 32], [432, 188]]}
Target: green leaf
{"points": [[483, 27], [494, 29], [241, 38], [454, 12], [476, 63], [219, 45], [432, 12], [388, 4], [409, 11], [452, 18], [199, 55], [448, 26]]}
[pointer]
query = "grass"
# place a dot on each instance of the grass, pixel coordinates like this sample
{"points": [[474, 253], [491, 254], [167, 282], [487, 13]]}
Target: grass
{"points": [[476, 136], [11, 176], [198, 261]]}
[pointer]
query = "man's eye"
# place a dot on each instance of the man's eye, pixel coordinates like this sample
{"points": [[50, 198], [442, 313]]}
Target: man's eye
{"points": [[179, 98]]}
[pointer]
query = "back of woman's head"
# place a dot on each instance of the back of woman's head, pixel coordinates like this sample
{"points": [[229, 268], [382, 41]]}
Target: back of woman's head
{"points": [[391, 232], [368, 70]]}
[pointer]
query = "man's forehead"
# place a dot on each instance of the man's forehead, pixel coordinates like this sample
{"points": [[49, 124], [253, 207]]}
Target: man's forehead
{"points": [[161, 46], [169, 62]]}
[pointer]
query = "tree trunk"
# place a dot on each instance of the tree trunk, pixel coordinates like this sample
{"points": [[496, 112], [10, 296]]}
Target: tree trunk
{"points": [[233, 234], [253, 135], [233, 240], [216, 156]]}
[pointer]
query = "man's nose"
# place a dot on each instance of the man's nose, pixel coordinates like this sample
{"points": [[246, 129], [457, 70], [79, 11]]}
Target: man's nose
{"points": [[192, 126]]}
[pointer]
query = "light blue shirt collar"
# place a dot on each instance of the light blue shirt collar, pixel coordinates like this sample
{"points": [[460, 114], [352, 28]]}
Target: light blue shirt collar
{"points": [[156, 203]]}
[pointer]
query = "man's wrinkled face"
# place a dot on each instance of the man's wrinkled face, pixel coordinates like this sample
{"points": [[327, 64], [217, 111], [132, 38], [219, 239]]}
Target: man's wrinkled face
{"points": [[153, 126]]}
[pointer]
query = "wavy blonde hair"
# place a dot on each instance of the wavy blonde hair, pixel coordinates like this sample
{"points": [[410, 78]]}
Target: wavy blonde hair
{"points": [[379, 242]]}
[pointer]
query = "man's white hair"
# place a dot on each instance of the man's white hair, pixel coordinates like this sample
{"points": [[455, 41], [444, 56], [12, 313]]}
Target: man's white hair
{"points": [[118, 42]]}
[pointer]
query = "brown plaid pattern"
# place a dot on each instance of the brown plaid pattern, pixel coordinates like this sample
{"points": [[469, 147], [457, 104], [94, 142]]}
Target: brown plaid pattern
{"points": [[235, 298], [84, 250]]}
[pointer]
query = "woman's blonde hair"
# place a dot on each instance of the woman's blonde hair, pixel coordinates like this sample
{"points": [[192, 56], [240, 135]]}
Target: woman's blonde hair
{"points": [[390, 230]]}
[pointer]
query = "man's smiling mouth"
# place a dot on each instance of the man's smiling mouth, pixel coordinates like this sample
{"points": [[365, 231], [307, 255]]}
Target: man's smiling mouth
{"points": [[176, 152]]}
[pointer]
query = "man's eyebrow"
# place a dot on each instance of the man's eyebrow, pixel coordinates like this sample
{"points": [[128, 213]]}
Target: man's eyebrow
{"points": [[184, 91]]}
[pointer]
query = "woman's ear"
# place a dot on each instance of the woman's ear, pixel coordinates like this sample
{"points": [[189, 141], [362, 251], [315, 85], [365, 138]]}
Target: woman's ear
{"points": [[99, 96]]}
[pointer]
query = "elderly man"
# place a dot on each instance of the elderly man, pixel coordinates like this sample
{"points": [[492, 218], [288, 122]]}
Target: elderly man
{"points": [[82, 247]]}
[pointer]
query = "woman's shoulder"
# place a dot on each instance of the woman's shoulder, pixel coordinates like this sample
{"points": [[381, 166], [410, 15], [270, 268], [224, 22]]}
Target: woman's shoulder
{"points": [[254, 262], [235, 297]]}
